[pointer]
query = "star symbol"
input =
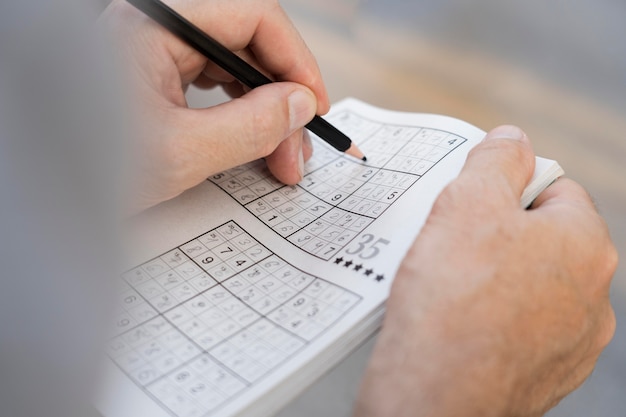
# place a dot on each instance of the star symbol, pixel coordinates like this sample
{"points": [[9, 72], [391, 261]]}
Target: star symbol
{"points": [[338, 261], [358, 267], [369, 272], [379, 278], [347, 264]]}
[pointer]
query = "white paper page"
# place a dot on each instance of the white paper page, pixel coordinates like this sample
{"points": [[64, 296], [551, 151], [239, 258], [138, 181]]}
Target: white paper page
{"points": [[242, 281]]}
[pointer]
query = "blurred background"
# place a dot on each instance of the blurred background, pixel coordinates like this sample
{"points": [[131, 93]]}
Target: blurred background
{"points": [[556, 68]]}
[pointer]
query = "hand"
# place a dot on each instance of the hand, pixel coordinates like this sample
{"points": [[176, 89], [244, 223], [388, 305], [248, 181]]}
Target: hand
{"points": [[181, 147], [496, 311]]}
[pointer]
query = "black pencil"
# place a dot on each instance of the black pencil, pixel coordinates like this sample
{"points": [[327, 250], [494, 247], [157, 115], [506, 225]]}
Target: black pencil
{"points": [[237, 67]]}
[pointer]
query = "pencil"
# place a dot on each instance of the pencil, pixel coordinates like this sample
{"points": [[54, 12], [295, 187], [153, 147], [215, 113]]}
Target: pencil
{"points": [[237, 67]]}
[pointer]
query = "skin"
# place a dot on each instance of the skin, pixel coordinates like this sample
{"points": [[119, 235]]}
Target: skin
{"points": [[496, 311]]}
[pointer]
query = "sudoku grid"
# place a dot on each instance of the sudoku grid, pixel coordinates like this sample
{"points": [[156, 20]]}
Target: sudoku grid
{"points": [[202, 323], [339, 197]]}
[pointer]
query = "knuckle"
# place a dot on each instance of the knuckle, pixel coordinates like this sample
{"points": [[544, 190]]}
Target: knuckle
{"points": [[612, 260], [266, 131], [606, 329], [272, 5]]}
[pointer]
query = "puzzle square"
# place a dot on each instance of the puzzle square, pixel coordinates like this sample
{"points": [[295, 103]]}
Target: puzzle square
{"points": [[169, 280], [232, 185], [319, 208], [150, 289], [142, 313], [289, 209], [230, 230], [275, 199], [377, 209], [261, 188], [314, 245], [203, 393], [244, 195], [221, 177], [179, 315], [344, 237], [211, 240], [231, 306], [124, 321], [174, 258], [304, 200], [265, 305], [291, 191], [255, 274], [286, 273], [286, 228], [236, 284], [194, 248], [188, 270], [273, 263], [258, 207], [212, 316], [166, 363], [283, 294], [272, 218], [301, 281], [239, 262], [221, 272], [208, 339], [302, 219], [422, 167], [249, 177]]}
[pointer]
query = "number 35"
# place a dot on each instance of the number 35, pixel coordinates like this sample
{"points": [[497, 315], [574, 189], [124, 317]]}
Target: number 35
{"points": [[366, 249]]}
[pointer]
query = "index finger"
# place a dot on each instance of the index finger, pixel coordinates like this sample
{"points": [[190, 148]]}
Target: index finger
{"points": [[264, 27]]}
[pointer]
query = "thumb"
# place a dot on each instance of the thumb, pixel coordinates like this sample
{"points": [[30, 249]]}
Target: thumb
{"points": [[252, 126], [501, 165]]}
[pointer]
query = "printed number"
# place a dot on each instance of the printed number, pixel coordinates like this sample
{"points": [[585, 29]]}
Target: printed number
{"points": [[365, 250], [228, 250], [130, 299], [247, 197], [392, 195]]}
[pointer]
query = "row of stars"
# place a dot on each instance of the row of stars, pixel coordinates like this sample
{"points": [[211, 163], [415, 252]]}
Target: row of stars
{"points": [[358, 267]]}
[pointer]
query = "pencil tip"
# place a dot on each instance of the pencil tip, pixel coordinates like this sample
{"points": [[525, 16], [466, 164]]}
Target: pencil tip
{"points": [[355, 152], [364, 159]]}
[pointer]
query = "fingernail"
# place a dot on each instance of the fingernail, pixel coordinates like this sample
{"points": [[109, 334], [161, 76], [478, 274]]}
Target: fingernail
{"points": [[506, 132], [301, 164], [302, 106], [306, 141]]}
